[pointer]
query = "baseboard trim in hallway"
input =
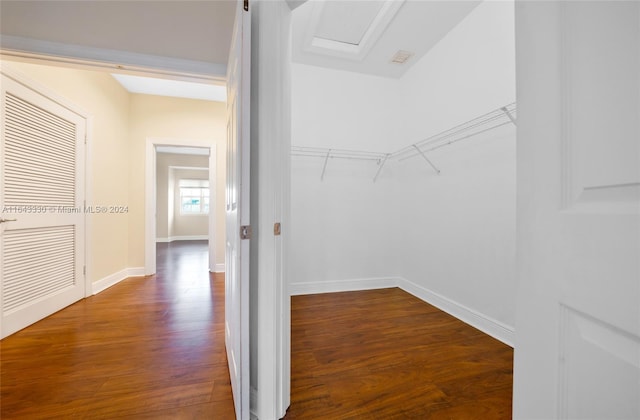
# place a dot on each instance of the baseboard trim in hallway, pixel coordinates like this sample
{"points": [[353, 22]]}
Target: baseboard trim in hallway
{"points": [[115, 278]]}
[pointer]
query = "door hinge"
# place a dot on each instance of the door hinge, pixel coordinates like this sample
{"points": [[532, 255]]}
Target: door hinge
{"points": [[246, 5], [84, 270], [85, 139], [245, 232], [277, 229]]}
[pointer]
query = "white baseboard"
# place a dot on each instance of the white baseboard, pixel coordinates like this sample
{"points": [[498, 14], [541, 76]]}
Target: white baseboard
{"points": [[219, 268], [183, 238], [334, 286], [115, 278], [484, 323]]}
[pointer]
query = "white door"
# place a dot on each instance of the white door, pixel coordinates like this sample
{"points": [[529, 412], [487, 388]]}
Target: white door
{"points": [[577, 349], [237, 209], [41, 203]]}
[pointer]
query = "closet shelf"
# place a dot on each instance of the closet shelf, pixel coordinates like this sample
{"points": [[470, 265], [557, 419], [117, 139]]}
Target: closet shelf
{"points": [[487, 122], [336, 153], [327, 154], [497, 118]]}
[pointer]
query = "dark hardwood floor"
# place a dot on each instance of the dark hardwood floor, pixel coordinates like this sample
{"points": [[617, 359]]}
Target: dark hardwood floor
{"points": [[384, 354], [145, 348], [153, 348]]}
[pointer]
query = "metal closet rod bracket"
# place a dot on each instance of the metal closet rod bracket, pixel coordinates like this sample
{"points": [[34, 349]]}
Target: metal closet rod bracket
{"points": [[427, 159], [380, 166], [324, 167]]}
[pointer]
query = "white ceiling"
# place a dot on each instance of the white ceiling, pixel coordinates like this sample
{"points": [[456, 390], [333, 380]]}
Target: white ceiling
{"points": [[174, 88], [363, 36], [183, 38], [181, 35], [347, 21]]}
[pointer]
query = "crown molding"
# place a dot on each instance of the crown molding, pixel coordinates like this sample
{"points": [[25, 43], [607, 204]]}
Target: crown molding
{"points": [[70, 55]]}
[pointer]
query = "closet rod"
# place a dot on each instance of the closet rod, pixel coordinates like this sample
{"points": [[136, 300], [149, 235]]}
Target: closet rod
{"points": [[324, 156], [496, 118], [457, 140], [327, 154], [336, 153]]}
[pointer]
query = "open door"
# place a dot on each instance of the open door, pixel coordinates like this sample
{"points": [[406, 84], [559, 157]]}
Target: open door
{"points": [[577, 349], [237, 212]]}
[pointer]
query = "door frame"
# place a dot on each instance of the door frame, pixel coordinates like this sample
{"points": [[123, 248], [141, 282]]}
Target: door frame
{"points": [[271, 203], [150, 197], [23, 79]]}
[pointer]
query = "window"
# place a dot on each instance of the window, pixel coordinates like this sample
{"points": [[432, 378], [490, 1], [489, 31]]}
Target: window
{"points": [[194, 196]]}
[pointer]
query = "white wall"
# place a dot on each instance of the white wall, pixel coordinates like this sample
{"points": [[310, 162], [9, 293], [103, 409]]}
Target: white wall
{"points": [[453, 234], [469, 72], [343, 109], [459, 234], [172, 118], [341, 226], [169, 222]]}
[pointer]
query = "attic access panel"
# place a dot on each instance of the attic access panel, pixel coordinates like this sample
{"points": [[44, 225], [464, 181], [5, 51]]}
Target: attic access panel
{"points": [[348, 29], [347, 21]]}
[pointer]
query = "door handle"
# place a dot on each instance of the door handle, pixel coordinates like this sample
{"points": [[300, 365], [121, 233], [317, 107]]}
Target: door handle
{"points": [[7, 220]]}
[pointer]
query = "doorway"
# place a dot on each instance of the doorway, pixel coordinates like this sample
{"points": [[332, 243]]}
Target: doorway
{"points": [[188, 149]]}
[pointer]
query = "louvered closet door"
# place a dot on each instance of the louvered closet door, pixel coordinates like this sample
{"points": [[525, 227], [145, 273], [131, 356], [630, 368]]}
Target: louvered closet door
{"points": [[42, 167]]}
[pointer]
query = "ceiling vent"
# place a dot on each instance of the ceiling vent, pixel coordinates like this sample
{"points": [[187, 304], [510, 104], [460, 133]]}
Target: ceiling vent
{"points": [[401, 57]]}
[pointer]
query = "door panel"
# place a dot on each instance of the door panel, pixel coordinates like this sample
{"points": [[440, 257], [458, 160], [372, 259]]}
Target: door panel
{"points": [[237, 213], [42, 188], [577, 351]]}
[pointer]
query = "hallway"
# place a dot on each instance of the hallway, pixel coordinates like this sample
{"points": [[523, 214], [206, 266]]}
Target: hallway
{"points": [[149, 347]]}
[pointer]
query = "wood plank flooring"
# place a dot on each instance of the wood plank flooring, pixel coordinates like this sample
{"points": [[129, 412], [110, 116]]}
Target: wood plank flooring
{"points": [[145, 348], [384, 354], [153, 348]]}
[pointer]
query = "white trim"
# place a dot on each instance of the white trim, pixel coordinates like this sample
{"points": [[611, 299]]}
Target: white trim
{"points": [[219, 268], [350, 285], [484, 323], [150, 196], [88, 198], [270, 163], [183, 238], [28, 49], [115, 278]]}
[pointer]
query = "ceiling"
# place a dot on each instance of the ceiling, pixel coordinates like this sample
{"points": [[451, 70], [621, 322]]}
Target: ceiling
{"points": [[174, 88], [179, 36], [189, 40], [363, 36]]}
